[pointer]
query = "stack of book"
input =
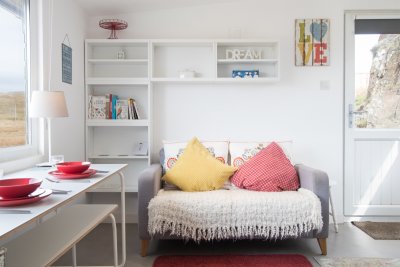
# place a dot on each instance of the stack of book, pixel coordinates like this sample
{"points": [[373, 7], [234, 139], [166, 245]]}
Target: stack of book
{"points": [[109, 106]]}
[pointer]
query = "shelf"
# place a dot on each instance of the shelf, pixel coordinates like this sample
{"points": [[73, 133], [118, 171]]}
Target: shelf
{"points": [[116, 81], [178, 80], [117, 123], [218, 80], [118, 61], [249, 80], [128, 189], [230, 61], [118, 157]]}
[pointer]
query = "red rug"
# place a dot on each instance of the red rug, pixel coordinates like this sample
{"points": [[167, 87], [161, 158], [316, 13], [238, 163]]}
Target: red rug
{"points": [[275, 260]]}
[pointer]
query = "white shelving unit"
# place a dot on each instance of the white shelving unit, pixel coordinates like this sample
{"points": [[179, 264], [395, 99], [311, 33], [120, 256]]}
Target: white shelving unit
{"points": [[152, 62], [112, 141]]}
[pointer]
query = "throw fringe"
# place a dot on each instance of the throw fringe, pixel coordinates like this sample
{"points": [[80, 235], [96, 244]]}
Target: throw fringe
{"points": [[234, 214]]}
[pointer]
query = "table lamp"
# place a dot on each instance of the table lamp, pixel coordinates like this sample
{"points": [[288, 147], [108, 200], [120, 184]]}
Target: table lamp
{"points": [[48, 105]]}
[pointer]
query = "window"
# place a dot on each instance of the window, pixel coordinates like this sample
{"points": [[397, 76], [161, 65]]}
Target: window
{"points": [[377, 73], [14, 79]]}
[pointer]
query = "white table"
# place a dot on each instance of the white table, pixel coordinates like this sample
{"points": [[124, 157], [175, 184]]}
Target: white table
{"points": [[13, 224]]}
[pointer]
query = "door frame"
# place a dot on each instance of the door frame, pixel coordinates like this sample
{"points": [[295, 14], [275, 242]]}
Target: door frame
{"points": [[362, 134]]}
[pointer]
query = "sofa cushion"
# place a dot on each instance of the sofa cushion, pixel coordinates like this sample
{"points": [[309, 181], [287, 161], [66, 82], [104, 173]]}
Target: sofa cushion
{"points": [[242, 152], [269, 170], [173, 150], [197, 170]]}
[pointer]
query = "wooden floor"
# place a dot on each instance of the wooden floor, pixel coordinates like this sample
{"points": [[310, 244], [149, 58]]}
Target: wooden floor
{"points": [[96, 248]]}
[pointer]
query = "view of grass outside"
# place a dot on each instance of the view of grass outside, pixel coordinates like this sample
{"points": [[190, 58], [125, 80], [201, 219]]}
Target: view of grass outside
{"points": [[13, 121]]}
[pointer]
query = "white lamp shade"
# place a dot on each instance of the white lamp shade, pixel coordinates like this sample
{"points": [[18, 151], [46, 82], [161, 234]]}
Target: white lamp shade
{"points": [[48, 104]]}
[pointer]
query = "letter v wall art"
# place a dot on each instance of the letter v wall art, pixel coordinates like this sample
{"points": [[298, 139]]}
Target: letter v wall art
{"points": [[312, 42]]}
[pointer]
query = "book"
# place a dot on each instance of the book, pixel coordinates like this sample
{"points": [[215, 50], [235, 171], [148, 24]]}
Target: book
{"points": [[132, 110], [122, 107], [108, 106], [114, 102], [131, 116], [135, 107], [98, 110], [89, 107]]}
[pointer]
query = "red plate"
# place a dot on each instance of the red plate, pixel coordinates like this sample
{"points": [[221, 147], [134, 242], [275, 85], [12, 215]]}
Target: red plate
{"points": [[61, 175], [73, 167], [38, 192], [19, 202]]}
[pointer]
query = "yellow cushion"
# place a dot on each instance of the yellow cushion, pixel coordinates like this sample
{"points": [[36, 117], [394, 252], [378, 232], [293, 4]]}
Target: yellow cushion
{"points": [[197, 170]]}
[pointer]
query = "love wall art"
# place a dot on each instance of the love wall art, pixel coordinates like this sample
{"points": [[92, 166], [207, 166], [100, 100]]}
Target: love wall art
{"points": [[312, 42]]}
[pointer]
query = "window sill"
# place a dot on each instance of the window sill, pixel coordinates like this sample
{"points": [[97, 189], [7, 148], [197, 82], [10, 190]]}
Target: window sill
{"points": [[20, 164]]}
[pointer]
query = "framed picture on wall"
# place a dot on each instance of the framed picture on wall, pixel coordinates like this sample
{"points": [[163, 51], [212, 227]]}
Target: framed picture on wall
{"points": [[312, 42]]}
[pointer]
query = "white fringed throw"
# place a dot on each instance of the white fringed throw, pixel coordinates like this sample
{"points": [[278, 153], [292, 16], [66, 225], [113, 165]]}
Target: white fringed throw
{"points": [[234, 214]]}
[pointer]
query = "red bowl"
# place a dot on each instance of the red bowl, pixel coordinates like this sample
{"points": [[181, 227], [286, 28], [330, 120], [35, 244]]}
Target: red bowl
{"points": [[18, 187], [73, 166]]}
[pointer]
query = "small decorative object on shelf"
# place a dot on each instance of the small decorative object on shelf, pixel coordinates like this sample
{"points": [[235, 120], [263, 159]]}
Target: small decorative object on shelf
{"points": [[121, 54], [114, 25], [184, 74], [245, 74], [140, 149], [237, 54]]}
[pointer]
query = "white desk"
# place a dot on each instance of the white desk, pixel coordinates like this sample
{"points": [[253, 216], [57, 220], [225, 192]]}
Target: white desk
{"points": [[11, 224]]}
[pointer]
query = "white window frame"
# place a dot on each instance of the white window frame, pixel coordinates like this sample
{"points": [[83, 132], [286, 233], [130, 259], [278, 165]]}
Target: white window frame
{"points": [[21, 157]]}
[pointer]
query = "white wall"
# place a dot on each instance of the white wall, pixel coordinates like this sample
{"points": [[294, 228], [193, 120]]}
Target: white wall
{"points": [[294, 108], [68, 133]]}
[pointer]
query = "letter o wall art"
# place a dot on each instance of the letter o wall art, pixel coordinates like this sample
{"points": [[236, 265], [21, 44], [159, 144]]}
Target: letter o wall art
{"points": [[312, 42]]}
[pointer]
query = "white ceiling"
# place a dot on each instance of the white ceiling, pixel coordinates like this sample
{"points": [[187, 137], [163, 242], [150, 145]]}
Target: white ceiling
{"points": [[112, 7]]}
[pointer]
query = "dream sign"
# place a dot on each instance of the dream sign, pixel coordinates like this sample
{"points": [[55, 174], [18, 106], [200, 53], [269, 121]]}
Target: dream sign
{"points": [[237, 54], [312, 42]]}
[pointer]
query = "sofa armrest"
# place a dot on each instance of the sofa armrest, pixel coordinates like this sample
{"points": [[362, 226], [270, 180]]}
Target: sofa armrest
{"points": [[316, 181], [149, 185]]}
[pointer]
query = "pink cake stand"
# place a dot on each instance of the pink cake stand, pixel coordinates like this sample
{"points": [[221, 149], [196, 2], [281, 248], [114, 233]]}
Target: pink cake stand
{"points": [[114, 25]]}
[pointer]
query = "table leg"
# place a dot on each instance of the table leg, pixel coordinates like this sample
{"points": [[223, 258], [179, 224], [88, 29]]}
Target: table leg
{"points": [[123, 226], [74, 256]]}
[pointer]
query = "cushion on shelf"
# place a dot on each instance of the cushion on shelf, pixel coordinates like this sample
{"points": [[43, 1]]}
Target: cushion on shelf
{"points": [[242, 152], [173, 150], [197, 170], [269, 170]]}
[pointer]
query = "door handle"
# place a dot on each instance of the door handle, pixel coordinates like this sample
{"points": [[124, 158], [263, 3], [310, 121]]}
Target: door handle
{"points": [[352, 112]]}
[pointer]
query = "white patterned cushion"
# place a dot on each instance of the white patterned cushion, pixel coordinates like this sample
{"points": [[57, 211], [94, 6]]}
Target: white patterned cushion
{"points": [[242, 152]]}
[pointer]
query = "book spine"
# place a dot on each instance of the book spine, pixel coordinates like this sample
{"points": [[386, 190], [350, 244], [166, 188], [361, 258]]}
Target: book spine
{"points": [[130, 114], [89, 110], [114, 111], [137, 116], [107, 106], [110, 107]]}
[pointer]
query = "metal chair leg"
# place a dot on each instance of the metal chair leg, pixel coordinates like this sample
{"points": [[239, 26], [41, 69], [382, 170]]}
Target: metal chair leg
{"points": [[115, 243], [333, 213]]}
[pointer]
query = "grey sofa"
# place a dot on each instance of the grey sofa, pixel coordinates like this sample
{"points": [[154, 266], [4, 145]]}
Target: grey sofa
{"points": [[311, 179]]}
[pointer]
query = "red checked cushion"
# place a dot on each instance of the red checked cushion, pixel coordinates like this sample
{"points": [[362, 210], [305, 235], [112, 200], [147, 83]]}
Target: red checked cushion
{"points": [[270, 170]]}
